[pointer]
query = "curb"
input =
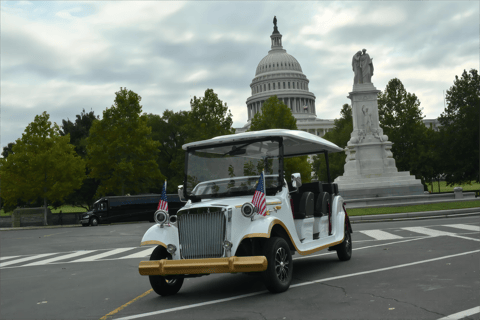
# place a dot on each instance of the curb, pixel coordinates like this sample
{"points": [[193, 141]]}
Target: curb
{"points": [[414, 215]]}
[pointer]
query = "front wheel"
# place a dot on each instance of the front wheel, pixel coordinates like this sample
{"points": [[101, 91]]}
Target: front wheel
{"points": [[160, 284], [279, 273], [94, 222], [344, 249]]}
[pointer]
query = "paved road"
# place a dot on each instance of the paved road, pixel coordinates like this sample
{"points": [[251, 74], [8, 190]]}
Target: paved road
{"points": [[416, 269]]}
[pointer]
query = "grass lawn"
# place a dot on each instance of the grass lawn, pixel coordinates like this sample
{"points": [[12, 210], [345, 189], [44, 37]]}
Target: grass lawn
{"points": [[65, 209], [444, 188], [415, 208]]}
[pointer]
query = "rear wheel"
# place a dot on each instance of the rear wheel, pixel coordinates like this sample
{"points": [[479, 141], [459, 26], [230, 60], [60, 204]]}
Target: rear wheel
{"points": [[279, 273], [344, 249], [163, 285]]}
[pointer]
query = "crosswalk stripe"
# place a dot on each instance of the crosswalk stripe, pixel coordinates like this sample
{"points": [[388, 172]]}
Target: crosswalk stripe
{"points": [[103, 255], [380, 235], [464, 227], [6, 258], [63, 257], [427, 231], [38, 256], [141, 254]]}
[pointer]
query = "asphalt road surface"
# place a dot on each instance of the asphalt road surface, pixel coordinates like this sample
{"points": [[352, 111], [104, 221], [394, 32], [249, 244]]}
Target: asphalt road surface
{"points": [[414, 269]]}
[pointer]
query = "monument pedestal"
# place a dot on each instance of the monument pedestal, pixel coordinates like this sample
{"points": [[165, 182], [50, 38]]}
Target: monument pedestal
{"points": [[370, 169]]}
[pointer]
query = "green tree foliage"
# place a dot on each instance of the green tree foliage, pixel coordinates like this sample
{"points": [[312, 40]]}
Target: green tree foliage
{"points": [[459, 129], [79, 131], [276, 115], [8, 150], [401, 120], [209, 117], [172, 130], [340, 135], [43, 165], [120, 151]]}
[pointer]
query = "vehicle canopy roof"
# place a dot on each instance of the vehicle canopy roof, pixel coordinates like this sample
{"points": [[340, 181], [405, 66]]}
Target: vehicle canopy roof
{"points": [[295, 142]]}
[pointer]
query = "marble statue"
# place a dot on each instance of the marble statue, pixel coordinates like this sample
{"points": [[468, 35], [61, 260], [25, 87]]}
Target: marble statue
{"points": [[356, 68], [366, 65]]}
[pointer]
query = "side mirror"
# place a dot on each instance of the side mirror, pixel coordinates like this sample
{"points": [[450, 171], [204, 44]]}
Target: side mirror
{"points": [[296, 180], [180, 193]]}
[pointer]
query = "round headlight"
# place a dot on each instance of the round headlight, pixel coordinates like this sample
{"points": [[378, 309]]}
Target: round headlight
{"points": [[160, 216], [173, 219], [248, 209]]}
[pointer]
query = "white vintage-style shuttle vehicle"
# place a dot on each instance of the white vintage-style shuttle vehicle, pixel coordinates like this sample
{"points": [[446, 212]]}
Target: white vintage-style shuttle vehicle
{"points": [[219, 230]]}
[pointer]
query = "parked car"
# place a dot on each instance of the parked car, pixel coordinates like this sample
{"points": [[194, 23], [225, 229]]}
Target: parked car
{"points": [[220, 230], [127, 208]]}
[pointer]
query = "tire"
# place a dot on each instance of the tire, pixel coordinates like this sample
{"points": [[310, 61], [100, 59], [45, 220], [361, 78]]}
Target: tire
{"points": [[93, 222], [344, 249], [279, 273], [160, 284]]}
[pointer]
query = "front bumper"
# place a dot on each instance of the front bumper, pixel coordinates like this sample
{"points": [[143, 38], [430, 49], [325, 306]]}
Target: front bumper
{"points": [[203, 266], [85, 220]]}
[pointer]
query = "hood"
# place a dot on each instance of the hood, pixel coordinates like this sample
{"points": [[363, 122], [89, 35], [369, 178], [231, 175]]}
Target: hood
{"points": [[224, 202]]}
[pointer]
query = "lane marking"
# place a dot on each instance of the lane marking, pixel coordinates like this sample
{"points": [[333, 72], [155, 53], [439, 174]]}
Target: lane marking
{"points": [[63, 257], [125, 305], [141, 254], [102, 255], [6, 258], [462, 314], [153, 313], [380, 235], [428, 231], [38, 256], [463, 237], [464, 227]]}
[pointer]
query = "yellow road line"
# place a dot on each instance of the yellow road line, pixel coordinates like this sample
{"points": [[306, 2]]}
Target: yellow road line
{"points": [[105, 317]]}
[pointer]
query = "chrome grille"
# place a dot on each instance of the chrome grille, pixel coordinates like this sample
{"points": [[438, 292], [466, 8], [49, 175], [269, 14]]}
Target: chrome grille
{"points": [[201, 235]]}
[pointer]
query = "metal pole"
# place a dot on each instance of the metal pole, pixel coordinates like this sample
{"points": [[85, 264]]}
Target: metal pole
{"points": [[328, 167]]}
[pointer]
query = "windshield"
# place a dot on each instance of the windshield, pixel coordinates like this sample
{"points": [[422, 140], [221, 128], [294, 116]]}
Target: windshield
{"points": [[233, 169]]}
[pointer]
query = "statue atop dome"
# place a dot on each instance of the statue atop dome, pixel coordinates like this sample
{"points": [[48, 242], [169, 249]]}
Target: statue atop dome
{"points": [[275, 21]]}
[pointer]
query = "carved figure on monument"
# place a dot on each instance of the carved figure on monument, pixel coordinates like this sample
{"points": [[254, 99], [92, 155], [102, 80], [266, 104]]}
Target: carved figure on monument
{"points": [[357, 71], [275, 21], [367, 119], [366, 64]]}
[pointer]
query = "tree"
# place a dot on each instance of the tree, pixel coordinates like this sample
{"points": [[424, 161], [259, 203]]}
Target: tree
{"points": [[79, 131], [43, 165], [340, 135], [172, 130], [120, 151], [209, 117], [8, 150], [459, 129], [401, 120], [276, 115]]}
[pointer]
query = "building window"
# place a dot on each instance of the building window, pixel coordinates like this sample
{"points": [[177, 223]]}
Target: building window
{"points": [[284, 85], [293, 84], [269, 86], [274, 86], [289, 85], [264, 87]]}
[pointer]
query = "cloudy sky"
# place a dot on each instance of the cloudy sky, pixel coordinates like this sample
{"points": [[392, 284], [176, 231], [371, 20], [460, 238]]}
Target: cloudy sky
{"points": [[63, 56]]}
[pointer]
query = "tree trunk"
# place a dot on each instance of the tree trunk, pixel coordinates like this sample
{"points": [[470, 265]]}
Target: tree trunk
{"points": [[45, 211]]}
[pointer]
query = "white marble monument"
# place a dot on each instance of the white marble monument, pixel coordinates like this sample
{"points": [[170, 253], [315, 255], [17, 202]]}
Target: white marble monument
{"points": [[370, 169]]}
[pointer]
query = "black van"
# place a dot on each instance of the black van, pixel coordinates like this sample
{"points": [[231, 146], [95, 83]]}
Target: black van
{"points": [[127, 208]]}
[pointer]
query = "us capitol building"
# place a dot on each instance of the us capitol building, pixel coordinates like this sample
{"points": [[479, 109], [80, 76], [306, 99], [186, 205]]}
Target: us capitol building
{"points": [[279, 73]]}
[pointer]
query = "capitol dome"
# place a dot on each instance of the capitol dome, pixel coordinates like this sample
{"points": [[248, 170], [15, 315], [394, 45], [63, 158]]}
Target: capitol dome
{"points": [[280, 74]]}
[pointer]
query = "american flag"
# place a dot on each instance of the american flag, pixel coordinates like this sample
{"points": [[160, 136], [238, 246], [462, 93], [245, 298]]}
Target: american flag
{"points": [[259, 199], [163, 203]]}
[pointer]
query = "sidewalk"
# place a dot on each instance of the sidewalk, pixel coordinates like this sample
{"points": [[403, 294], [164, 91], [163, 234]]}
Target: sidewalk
{"points": [[354, 219]]}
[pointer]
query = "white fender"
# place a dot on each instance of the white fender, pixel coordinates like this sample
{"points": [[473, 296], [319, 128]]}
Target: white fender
{"points": [[162, 236]]}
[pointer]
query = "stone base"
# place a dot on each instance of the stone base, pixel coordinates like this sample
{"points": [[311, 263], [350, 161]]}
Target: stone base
{"points": [[387, 191]]}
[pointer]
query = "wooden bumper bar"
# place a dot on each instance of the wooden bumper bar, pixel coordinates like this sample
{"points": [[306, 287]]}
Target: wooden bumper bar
{"points": [[203, 266]]}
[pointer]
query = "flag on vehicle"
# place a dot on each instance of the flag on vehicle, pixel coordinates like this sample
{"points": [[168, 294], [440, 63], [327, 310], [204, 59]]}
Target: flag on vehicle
{"points": [[259, 199], [163, 203]]}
